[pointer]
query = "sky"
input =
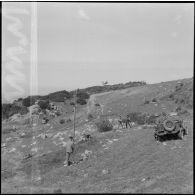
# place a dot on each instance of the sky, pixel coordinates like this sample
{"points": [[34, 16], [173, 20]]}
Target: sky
{"points": [[82, 44]]}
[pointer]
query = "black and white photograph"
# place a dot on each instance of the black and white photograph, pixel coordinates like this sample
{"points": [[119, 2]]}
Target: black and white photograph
{"points": [[97, 97]]}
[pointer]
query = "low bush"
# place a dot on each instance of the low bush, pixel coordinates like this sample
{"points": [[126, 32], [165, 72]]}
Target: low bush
{"points": [[8, 130], [138, 117], [72, 103], [183, 111], [104, 125], [97, 104], [68, 120], [179, 87], [82, 95], [178, 109], [23, 110], [90, 117], [44, 104], [146, 102], [58, 113], [81, 101], [171, 96], [151, 119], [10, 109], [59, 96], [154, 100], [62, 121]]}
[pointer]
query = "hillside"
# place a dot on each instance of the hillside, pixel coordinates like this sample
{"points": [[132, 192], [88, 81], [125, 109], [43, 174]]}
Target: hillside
{"points": [[120, 161]]}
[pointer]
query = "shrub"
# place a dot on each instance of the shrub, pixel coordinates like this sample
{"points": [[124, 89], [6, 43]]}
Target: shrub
{"points": [[62, 121], [178, 109], [44, 104], [23, 110], [151, 119], [138, 117], [59, 96], [90, 117], [82, 95], [183, 111], [8, 130], [97, 104], [179, 87], [29, 101], [58, 113], [146, 102], [11, 109], [104, 125], [171, 96], [68, 120], [81, 101], [154, 100]]}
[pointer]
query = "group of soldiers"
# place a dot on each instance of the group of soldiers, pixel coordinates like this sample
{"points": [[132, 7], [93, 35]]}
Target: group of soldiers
{"points": [[125, 121]]}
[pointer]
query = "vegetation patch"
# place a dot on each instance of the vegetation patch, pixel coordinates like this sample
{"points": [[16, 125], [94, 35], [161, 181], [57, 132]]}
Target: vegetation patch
{"points": [[104, 125], [44, 104], [62, 121], [9, 110], [81, 101], [146, 102], [154, 100], [8, 130], [138, 117], [90, 117]]}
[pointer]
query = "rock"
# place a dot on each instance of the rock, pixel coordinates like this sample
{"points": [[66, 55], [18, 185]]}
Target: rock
{"points": [[115, 140], [143, 179], [105, 171], [12, 150], [3, 145], [133, 123], [173, 114], [34, 149]]}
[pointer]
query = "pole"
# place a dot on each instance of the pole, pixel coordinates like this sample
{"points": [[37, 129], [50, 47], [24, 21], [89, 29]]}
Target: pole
{"points": [[74, 114]]}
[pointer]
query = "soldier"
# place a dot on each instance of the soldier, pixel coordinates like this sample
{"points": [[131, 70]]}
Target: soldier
{"points": [[120, 122], [128, 122], [69, 150]]}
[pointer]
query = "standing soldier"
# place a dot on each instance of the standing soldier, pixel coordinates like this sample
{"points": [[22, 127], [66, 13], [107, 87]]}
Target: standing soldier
{"points": [[128, 121], [69, 150], [120, 122]]}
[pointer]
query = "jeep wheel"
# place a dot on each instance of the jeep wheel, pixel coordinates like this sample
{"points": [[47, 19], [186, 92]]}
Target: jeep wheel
{"points": [[169, 125]]}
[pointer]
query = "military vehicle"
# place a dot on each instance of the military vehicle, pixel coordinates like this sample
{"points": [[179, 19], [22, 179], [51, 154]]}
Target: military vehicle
{"points": [[169, 125]]}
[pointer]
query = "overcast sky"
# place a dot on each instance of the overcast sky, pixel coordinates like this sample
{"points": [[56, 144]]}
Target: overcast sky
{"points": [[83, 44]]}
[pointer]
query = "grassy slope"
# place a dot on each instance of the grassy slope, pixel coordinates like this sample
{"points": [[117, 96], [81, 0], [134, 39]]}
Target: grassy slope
{"points": [[132, 156]]}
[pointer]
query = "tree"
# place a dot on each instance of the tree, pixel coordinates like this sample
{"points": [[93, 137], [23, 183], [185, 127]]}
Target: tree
{"points": [[29, 101], [44, 104]]}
